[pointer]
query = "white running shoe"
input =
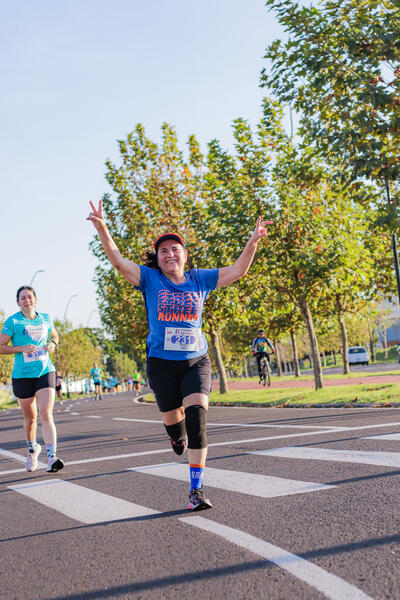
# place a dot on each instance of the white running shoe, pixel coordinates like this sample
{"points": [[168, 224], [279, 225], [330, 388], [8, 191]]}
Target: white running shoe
{"points": [[32, 460], [54, 464]]}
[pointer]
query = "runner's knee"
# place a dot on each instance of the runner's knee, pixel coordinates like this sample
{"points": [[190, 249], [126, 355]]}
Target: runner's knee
{"points": [[196, 421]]}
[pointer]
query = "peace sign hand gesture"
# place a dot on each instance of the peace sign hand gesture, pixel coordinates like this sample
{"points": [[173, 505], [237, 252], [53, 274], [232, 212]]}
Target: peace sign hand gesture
{"points": [[96, 216], [260, 230]]}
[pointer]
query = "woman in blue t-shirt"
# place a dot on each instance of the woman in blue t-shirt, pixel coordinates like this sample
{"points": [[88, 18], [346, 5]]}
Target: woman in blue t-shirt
{"points": [[33, 374], [178, 366]]}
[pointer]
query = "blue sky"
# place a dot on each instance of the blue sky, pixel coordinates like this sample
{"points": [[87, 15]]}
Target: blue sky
{"points": [[76, 76]]}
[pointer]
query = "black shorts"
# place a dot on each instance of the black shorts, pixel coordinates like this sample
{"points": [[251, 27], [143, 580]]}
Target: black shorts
{"points": [[26, 387], [173, 380], [58, 388]]}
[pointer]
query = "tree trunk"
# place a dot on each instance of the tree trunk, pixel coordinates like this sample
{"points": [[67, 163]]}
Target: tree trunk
{"points": [[317, 369], [245, 373], [223, 380], [278, 359], [385, 344], [295, 354], [346, 367]]}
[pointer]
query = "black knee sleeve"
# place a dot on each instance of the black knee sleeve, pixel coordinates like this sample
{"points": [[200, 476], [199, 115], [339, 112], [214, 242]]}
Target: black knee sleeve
{"points": [[196, 421], [177, 431]]}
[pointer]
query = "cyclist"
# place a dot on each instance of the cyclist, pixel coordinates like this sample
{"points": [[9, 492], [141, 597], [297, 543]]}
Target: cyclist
{"points": [[33, 338], [178, 366], [259, 349]]}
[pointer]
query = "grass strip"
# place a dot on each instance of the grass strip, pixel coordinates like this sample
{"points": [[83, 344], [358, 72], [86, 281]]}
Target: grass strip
{"points": [[378, 393], [385, 394]]}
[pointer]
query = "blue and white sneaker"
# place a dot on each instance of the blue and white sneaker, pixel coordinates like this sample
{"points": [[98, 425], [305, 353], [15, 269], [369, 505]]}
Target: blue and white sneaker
{"points": [[198, 501]]}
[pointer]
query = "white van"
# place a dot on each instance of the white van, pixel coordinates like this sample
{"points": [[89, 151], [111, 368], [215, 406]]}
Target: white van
{"points": [[358, 355]]}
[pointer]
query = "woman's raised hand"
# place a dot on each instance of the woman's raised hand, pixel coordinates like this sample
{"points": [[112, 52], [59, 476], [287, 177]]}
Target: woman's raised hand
{"points": [[96, 215], [260, 230]]}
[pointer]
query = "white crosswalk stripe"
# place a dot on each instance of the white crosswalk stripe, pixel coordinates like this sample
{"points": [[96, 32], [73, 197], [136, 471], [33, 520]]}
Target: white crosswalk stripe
{"points": [[383, 436], [263, 486], [384, 459], [80, 503], [19, 458]]}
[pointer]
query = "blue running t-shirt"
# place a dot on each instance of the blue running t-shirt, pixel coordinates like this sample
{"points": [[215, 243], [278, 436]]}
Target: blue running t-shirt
{"points": [[25, 331], [174, 312]]}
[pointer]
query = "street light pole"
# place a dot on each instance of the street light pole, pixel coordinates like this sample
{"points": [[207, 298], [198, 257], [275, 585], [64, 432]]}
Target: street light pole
{"points": [[66, 308], [93, 311], [34, 275], [394, 245]]}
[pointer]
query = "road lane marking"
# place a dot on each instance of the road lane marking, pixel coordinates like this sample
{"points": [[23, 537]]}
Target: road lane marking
{"points": [[383, 459], [253, 484], [80, 503], [215, 444], [137, 420], [331, 585], [19, 458], [74, 413], [383, 436], [257, 425], [93, 417]]}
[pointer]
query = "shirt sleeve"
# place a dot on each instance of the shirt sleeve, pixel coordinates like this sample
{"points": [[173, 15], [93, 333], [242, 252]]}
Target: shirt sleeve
{"points": [[51, 323], [144, 278], [8, 327], [207, 277]]}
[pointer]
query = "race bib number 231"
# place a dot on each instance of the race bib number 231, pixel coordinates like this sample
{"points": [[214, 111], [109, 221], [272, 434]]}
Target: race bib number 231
{"points": [[183, 339]]}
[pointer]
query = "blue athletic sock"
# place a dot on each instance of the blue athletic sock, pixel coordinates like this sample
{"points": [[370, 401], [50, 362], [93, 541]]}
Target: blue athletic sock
{"points": [[196, 476], [51, 450], [31, 445]]}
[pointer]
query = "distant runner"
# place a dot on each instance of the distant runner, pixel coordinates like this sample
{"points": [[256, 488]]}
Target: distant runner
{"points": [[95, 374]]}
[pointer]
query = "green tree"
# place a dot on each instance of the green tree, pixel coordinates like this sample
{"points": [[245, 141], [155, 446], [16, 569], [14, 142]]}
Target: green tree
{"points": [[156, 189], [75, 353], [341, 69], [120, 365]]}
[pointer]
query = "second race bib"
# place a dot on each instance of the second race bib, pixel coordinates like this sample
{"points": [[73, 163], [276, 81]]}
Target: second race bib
{"points": [[39, 354], [183, 339]]}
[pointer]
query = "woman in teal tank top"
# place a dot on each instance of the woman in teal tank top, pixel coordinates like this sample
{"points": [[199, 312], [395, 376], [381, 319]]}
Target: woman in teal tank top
{"points": [[33, 337]]}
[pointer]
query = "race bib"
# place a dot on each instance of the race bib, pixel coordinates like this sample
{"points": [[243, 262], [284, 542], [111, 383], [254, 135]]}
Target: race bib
{"points": [[183, 339], [39, 354]]}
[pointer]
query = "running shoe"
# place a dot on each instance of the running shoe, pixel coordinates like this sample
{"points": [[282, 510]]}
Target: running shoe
{"points": [[54, 464], [32, 460], [180, 446], [198, 501]]}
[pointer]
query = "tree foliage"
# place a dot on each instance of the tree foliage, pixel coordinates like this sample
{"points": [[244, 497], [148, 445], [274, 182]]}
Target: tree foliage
{"points": [[340, 68], [75, 353]]}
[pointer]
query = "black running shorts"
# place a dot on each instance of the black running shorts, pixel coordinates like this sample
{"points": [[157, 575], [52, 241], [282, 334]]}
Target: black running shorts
{"points": [[26, 387], [173, 380]]}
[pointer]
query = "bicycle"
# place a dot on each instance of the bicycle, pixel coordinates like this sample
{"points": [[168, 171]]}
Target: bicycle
{"points": [[265, 376]]}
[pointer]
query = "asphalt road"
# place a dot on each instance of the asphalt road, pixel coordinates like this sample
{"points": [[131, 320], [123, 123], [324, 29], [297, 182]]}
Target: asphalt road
{"points": [[306, 505]]}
